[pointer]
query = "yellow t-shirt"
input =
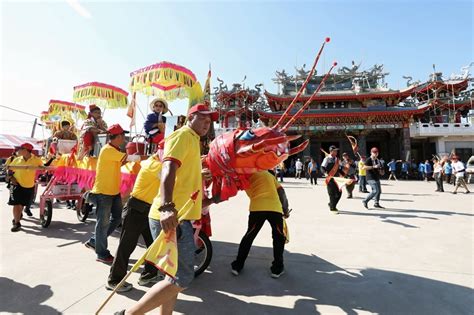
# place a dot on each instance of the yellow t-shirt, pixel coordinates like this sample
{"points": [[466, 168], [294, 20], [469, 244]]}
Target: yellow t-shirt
{"points": [[263, 193], [147, 183], [25, 177], [182, 147], [108, 175], [362, 171]]}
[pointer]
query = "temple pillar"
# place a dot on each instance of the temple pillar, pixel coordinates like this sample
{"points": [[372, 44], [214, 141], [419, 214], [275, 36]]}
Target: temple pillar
{"points": [[406, 143], [362, 143]]}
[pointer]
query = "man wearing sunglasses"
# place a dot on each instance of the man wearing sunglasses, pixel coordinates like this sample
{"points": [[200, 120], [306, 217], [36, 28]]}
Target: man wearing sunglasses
{"points": [[374, 169]]}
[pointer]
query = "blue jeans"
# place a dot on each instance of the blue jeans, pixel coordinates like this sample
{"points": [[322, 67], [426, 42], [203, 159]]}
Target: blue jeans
{"points": [[109, 216], [362, 183], [376, 191], [186, 252]]}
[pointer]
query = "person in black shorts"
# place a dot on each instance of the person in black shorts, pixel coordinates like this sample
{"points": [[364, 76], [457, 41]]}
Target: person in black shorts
{"points": [[21, 176]]}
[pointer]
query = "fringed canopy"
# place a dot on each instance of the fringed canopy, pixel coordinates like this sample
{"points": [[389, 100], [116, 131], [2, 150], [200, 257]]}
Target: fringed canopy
{"points": [[167, 80], [104, 95]]}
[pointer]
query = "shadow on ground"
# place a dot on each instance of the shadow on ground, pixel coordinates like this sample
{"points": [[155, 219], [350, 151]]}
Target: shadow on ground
{"points": [[16, 297], [311, 282]]}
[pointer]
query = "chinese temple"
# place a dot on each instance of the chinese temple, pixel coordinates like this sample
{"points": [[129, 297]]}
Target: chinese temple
{"points": [[358, 103], [238, 106]]}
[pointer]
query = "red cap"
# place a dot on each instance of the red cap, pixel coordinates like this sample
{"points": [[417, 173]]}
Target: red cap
{"points": [[116, 130], [374, 149], [93, 107], [203, 109], [26, 145]]}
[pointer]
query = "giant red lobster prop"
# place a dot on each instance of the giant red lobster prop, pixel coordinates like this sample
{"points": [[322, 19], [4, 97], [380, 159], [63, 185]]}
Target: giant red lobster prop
{"points": [[234, 156]]}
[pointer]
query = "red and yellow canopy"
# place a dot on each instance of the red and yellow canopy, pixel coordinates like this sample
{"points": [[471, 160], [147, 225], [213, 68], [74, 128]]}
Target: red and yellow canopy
{"points": [[167, 80], [104, 95]]}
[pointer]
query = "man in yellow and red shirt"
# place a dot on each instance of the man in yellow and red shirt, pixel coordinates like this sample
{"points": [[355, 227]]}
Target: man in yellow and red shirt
{"points": [[268, 202], [22, 181], [106, 192], [180, 177]]}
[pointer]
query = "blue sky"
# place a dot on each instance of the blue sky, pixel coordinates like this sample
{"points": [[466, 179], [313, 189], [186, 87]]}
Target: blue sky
{"points": [[47, 47]]}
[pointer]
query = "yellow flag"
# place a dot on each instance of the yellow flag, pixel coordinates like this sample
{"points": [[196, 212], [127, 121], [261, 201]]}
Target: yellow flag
{"points": [[286, 231], [163, 252]]}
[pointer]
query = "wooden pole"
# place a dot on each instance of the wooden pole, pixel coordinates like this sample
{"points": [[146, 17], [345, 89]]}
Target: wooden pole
{"points": [[34, 128]]}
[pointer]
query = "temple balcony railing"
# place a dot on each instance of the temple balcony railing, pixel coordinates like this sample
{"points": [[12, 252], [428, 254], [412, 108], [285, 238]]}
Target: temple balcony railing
{"points": [[441, 129]]}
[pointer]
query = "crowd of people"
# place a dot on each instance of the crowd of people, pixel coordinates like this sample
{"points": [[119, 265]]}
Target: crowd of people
{"points": [[369, 171], [166, 181], [163, 185]]}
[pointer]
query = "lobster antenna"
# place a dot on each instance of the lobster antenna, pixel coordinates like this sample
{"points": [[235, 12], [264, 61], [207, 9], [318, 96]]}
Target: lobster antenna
{"points": [[294, 117], [292, 104]]}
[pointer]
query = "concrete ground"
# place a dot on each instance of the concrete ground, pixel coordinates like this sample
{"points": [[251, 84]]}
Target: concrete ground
{"points": [[414, 257]]}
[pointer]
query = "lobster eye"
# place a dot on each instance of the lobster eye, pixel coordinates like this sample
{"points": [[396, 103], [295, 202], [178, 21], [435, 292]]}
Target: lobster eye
{"points": [[248, 135]]}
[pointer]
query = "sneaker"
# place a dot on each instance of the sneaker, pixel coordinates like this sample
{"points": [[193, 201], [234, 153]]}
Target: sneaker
{"points": [[146, 278], [16, 227], [28, 212], [277, 272], [106, 260], [334, 211], [378, 206], [235, 271], [366, 206], [89, 245], [122, 312], [454, 192], [124, 288]]}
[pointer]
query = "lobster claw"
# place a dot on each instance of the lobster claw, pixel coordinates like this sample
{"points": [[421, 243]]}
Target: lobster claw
{"points": [[298, 148], [292, 137], [266, 142]]}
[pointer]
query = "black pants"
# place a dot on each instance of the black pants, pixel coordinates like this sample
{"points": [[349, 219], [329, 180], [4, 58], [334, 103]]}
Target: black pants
{"points": [[314, 177], [439, 181], [334, 194], [350, 189], [134, 224], [256, 221], [449, 179]]}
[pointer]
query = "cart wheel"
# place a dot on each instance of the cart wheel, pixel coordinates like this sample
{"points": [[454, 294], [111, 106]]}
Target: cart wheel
{"points": [[48, 214], [203, 253], [83, 212]]}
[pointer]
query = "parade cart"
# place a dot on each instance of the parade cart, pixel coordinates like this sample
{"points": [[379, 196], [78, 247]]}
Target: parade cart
{"points": [[55, 189]]}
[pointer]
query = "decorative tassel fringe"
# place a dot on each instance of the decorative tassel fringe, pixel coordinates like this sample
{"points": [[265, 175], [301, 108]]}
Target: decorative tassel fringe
{"points": [[106, 96], [83, 173]]}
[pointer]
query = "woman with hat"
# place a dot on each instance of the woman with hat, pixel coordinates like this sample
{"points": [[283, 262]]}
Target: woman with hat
{"points": [[155, 121], [93, 125]]}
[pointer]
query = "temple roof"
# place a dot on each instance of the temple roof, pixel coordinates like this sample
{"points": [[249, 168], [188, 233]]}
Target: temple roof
{"points": [[347, 112], [342, 95]]}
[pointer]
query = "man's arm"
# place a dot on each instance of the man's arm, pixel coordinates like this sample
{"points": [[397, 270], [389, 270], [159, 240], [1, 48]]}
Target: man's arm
{"points": [[168, 213], [284, 201]]}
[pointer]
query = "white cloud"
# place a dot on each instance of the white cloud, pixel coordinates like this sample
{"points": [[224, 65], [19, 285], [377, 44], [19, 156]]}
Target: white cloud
{"points": [[79, 8]]}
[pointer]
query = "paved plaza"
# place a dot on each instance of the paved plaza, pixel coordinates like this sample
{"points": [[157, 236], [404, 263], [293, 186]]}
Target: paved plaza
{"points": [[414, 257]]}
